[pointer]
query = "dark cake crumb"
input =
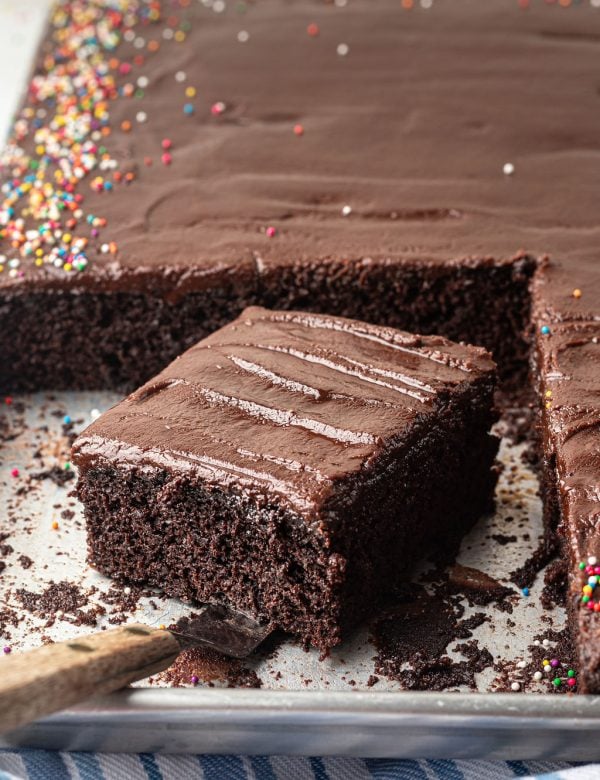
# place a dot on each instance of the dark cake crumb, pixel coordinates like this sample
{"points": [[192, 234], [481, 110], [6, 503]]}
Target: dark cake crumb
{"points": [[412, 637], [202, 665], [60, 476], [478, 587], [525, 575], [504, 538], [58, 596]]}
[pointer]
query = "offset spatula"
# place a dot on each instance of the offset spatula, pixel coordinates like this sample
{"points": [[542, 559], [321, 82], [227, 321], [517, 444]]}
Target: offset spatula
{"points": [[56, 676]]}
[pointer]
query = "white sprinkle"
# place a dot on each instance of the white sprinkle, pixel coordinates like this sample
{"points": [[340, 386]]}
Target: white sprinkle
{"points": [[342, 49], [168, 34], [95, 413], [139, 43], [508, 169], [59, 613], [180, 76], [341, 3], [141, 116], [536, 642], [58, 263], [537, 676], [13, 271], [521, 664], [243, 36], [127, 591], [218, 6], [426, 4], [143, 82], [515, 686], [547, 668], [129, 35], [592, 560], [14, 263], [346, 211], [104, 249], [595, 3], [546, 642]]}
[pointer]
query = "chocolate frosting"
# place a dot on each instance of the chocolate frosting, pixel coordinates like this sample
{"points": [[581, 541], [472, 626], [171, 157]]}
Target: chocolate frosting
{"points": [[411, 129], [283, 402]]}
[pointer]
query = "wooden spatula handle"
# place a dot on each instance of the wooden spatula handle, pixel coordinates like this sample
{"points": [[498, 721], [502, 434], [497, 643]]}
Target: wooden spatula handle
{"points": [[56, 676]]}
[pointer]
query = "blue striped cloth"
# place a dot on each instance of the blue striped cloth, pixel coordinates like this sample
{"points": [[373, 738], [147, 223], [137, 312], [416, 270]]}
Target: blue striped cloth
{"points": [[50, 765]]}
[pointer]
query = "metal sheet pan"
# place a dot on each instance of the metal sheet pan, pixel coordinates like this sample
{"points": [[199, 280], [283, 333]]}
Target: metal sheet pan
{"points": [[327, 717], [306, 706]]}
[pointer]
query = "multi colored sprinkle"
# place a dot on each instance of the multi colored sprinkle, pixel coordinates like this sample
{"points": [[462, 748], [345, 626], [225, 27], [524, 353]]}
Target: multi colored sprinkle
{"points": [[591, 572], [553, 669], [58, 139]]}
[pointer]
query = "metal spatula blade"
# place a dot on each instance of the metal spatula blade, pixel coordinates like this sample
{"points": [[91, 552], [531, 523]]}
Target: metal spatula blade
{"points": [[56, 676], [220, 628]]}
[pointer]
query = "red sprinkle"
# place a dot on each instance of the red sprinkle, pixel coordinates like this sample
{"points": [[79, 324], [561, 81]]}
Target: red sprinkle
{"points": [[166, 158], [313, 29], [271, 231], [298, 129], [14, 473], [8, 400], [166, 143]]}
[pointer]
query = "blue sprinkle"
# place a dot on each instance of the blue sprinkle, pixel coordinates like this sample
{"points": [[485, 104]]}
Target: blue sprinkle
{"points": [[545, 330], [188, 109], [108, 185], [525, 591], [66, 419]]}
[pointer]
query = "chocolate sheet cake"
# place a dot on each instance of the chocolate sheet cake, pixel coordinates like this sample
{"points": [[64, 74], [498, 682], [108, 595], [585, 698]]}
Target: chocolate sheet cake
{"points": [[295, 464], [428, 166]]}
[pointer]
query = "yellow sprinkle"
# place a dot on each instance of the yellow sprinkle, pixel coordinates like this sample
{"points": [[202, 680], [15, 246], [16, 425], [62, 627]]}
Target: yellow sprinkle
{"points": [[179, 36], [548, 393], [1, 268], [67, 238], [68, 266], [548, 405], [39, 262], [162, 627], [55, 525], [577, 293], [545, 662], [190, 92]]}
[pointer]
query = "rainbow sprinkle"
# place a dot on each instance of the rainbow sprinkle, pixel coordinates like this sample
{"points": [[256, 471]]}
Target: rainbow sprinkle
{"points": [[591, 570], [59, 137]]}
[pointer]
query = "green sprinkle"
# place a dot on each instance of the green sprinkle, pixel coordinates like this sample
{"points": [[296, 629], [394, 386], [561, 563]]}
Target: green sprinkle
{"points": [[570, 673], [557, 682], [585, 599], [582, 565], [67, 466], [139, 93]]}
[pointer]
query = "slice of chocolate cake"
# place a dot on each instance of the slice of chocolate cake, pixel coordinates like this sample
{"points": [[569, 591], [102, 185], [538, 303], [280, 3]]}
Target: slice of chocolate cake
{"points": [[568, 369], [295, 464]]}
